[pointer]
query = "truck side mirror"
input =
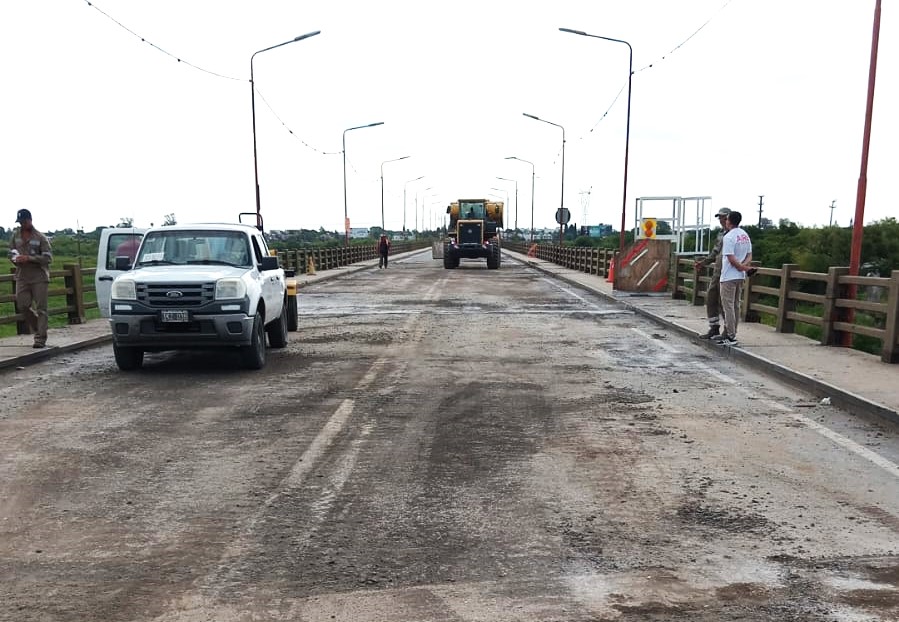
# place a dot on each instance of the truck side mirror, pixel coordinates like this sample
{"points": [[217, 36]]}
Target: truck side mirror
{"points": [[268, 263], [123, 263]]}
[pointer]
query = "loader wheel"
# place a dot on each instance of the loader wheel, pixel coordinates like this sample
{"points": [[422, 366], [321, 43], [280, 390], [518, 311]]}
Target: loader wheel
{"points": [[449, 262]]}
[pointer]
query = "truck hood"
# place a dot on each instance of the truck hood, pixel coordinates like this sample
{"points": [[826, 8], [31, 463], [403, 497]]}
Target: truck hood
{"points": [[183, 274]]}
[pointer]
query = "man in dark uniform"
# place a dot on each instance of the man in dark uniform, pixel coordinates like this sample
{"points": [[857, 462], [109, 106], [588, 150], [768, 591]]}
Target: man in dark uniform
{"points": [[30, 251], [383, 251], [713, 294]]}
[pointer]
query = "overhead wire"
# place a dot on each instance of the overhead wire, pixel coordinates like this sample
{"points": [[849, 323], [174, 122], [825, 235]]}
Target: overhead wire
{"points": [[207, 71], [651, 65]]}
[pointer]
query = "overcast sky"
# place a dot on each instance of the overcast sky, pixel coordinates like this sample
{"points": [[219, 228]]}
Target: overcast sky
{"points": [[767, 99]]}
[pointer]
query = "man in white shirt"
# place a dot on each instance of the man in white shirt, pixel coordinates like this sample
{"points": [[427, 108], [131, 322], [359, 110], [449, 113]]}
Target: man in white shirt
{"points": [[737, 252]]}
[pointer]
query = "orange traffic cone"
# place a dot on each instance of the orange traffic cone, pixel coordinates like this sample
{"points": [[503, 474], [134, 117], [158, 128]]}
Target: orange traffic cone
{"points": [[611, 275]]}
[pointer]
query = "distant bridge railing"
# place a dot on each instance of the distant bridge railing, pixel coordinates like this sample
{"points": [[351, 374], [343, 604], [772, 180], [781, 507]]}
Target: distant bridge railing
{"points": [[590, 260], [830, 307], [298, 260]]}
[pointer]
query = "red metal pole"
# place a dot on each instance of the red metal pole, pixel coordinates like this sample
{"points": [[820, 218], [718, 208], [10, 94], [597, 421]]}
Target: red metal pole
{"points": [[859, 221], [856, 252]]}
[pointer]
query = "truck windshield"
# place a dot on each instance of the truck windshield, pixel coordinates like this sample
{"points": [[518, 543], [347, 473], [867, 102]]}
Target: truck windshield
{"points": [[472, 209], [200, 247]]}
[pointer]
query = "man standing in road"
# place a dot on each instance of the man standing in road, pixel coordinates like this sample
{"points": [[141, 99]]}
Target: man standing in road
{"points": [[737, 252], [713, 295], [30, 251]]}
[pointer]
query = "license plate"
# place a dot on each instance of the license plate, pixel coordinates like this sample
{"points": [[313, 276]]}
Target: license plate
{"points": [[175, 315]]}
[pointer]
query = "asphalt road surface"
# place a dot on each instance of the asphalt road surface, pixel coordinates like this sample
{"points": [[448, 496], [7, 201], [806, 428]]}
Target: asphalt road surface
{"points": [[446, 445]]}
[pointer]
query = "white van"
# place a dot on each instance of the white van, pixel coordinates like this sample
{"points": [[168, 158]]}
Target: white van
{"points": [[114, 242]]}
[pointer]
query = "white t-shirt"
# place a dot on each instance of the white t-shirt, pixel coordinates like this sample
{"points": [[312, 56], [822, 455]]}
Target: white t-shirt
{"points": [[736, 243]]}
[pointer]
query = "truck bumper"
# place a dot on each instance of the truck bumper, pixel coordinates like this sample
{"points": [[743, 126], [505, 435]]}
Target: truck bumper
{"points": [[148, 332], [473, 251]]}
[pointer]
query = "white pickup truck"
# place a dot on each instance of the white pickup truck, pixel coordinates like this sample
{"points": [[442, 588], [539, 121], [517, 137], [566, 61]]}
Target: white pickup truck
{"points": [[199, 286]]}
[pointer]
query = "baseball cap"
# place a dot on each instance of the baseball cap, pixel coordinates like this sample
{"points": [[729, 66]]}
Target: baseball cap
{"points": [[723, 212], [23, 214]]}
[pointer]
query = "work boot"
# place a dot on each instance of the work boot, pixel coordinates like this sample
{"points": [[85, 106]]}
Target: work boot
{"points": [[714, 331]]}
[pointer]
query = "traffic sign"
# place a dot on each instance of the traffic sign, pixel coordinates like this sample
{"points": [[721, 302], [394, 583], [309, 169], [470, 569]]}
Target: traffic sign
{"points": [[563, 215]]}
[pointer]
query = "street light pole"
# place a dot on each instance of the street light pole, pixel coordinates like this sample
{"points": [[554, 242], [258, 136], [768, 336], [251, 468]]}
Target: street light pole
{"points": [[515, 181], [253, 110], [416, 207], [406, 185], [346, 217], [627, 138], [382, 187], [533, 175], [504, 191], [562, 206]]}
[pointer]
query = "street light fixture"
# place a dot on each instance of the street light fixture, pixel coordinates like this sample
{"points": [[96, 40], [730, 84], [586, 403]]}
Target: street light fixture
{"points": [[561, 226], [346, 218], [503, 190], [627, 138], [533, 175], [406, 185], [515, 181], [382, 187], [253, 110]]}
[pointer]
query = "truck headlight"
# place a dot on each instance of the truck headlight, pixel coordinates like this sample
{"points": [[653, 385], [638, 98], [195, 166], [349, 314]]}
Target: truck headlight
{"points": [[124, 289], [229, 289]]}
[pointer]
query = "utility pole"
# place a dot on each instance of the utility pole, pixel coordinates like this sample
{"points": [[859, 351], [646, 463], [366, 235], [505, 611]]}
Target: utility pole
{"points": [[761, 202], [833, 204]]}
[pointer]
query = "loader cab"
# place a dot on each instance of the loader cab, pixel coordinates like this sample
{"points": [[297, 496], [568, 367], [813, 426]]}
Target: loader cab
{"points": [[472, 210]]}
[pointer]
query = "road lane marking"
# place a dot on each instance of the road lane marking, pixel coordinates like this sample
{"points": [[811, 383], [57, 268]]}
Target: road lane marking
{"points": [[571, 293], [859, 450], [316, 448], [657, 342]]}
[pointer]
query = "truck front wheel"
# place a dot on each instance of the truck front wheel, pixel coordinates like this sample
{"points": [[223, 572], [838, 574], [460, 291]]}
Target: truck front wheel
{"points": [[128, 359], [254, 354]]}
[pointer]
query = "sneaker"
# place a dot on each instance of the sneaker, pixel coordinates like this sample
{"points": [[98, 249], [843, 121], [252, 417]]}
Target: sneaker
{"points": [[713, 332], [39, 345], [728, 340], [717, 338]]}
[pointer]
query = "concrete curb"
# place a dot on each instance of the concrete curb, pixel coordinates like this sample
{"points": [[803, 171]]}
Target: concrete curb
{"points": [[50, 352], [840, 398]]}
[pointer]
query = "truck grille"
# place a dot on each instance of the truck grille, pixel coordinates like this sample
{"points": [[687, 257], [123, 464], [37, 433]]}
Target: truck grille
{"points": [[470, 233], [175, 294]]}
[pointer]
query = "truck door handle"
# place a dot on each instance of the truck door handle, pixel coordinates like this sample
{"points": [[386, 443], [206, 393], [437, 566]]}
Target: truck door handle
{"points": [[105, 278]]}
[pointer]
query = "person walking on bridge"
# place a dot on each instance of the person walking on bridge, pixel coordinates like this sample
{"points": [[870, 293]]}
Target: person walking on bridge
{"points": [[29, 250], [713, 293], [383, 250]]}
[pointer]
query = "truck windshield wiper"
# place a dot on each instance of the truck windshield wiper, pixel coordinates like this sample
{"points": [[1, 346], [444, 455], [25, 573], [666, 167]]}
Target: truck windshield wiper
{"points": [[215, 262], [156, 262]]}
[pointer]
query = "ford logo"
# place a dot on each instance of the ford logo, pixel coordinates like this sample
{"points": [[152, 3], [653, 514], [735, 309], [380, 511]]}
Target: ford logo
{"points": [[174, 294]]}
